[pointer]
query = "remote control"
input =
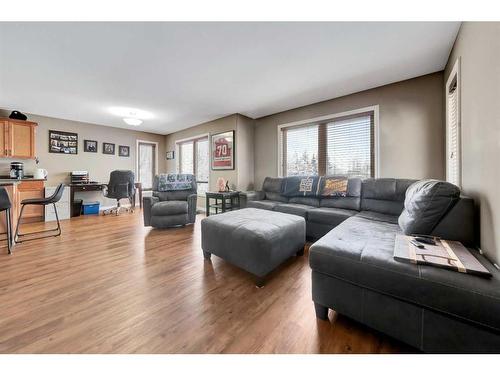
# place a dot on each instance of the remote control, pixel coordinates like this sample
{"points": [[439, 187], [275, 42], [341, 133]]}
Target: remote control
{"points": [[417, 244], [426, 240]]}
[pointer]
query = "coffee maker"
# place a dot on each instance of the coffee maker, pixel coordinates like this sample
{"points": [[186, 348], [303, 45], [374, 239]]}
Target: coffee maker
{"points": [[16, 170]]}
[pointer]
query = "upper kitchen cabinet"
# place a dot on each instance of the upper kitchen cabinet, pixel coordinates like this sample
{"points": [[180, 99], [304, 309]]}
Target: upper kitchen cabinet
{"points": [[17, 139]]}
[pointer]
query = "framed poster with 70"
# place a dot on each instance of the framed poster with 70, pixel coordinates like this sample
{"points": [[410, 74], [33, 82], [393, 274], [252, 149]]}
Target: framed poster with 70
{"points": [[223, 150]]}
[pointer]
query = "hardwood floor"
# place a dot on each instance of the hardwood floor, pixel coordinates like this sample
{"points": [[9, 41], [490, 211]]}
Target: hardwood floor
{"points": [[109, 285]]}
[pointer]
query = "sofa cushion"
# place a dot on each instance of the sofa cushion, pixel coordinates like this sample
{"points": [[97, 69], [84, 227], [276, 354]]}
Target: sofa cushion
{"points": [[426, 203], [300, 186], [351, 201], [384, 195], [309, 201], [294, 209], [272, 196], [272, 185], [265, 204], [360, 251], [166, 208], [372, 215], [330, 216]]}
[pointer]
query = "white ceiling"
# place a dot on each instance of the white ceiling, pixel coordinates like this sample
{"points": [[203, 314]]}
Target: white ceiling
{"points": [[189, 73]]}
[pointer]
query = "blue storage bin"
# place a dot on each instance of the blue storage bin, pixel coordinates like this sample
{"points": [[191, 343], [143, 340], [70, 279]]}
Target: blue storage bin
{"points": [[91, 208]]}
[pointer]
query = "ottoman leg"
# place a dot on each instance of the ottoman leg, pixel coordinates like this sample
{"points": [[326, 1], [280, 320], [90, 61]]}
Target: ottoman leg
{"points": [[321, 311], [300, 252], [206, 255], [259, 282]]}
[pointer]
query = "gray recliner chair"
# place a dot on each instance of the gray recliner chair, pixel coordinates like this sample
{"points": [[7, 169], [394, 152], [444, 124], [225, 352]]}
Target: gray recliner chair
{"points": [[170, 208]]}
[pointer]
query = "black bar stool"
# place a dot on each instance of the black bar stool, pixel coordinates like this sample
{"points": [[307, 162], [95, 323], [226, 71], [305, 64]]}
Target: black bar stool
{"points": [[53, 199], [5, 205]]}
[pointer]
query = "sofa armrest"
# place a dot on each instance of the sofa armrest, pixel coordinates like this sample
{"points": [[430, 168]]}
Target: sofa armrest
{"points": [[247, 196], [147, 204], [192, 201]]}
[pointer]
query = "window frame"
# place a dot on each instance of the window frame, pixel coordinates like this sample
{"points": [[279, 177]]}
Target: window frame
{"points": [[454, 76], [193, 139], [139, 141], [328, 118]]}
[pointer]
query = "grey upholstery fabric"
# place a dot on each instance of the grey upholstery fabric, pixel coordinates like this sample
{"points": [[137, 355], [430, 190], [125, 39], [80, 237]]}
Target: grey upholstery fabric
{"points": [[166, 208], [272, 189], [426, 202], [170, 208], [272, 185], [247, 196], [252, 239], [330, 216], [352, 200], [360, 251], [372, 215], [425, 329], [264, 204], [310, 201], [459, 224], [293, 208], [384, 195], [147, 205], [169, 220], [272, 196]]}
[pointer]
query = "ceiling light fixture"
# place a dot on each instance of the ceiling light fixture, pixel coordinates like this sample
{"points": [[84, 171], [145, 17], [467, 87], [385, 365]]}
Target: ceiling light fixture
{"points": [[133, 121], [127, 112]]}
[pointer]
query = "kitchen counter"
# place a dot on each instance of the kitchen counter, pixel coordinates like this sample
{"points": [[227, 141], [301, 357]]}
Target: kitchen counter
{"points": [[14, 181]]}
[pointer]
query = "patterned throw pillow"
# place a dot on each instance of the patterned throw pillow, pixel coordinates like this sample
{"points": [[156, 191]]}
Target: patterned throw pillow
{"points": [[334, 187]]}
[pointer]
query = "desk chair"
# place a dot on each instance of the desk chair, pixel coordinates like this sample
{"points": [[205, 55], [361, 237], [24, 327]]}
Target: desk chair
{"points": [[5, 205], [53, 199], [121, 185]]}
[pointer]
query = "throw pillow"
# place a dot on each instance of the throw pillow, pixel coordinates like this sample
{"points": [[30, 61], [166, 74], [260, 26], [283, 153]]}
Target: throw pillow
{"points": [[334, 187]]}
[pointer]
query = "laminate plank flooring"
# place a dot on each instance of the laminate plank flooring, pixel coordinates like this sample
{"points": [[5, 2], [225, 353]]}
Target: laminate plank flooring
{"points": [[109, 285]]}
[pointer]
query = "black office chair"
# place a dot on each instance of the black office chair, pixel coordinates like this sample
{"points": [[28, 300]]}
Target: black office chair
{"points": [[121, 185], [53, 199], [5, 205]]}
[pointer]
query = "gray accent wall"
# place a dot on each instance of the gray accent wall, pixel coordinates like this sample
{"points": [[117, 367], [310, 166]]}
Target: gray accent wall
{"points": [[411, 115], [478, 47], [242, 177]]}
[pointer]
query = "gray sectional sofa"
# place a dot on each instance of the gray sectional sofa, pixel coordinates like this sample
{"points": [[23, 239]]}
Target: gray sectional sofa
{"points": [[354, 273]]}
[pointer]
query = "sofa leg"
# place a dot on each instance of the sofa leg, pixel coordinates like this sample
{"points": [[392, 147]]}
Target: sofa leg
{"points": [[260, 282], [321, 311], [206, 255], [300, 252]]}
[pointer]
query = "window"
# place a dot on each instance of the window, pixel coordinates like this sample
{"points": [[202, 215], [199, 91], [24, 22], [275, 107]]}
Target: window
{"points": [[343, 145], [194, 159], [146, 163], [453, 157]]}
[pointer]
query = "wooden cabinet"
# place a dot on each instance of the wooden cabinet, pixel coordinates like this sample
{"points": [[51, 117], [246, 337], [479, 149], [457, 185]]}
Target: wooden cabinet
{"points": [[17, 139], [27, 190]]}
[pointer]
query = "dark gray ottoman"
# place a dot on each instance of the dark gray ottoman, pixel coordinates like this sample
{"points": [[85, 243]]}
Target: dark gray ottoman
{"points": [[253, 239]]}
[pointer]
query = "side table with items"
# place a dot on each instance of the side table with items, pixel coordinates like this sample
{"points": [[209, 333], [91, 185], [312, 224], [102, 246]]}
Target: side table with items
{"points": [[224, 201]]}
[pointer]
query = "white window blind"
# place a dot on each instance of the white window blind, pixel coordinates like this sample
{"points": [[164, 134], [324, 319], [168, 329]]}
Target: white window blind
{"points": [[300, 145], [194, 159], [453, 157], [186, 157], [349, 147], [146, 164], [340, 146], [202, 165]]}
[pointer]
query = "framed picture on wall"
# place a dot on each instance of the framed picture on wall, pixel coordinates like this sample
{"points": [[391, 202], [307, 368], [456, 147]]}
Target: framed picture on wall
{"points": [[222, 150], [170, 155], [108, 148], [89, 146], [63, 142], [124, 151]]}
